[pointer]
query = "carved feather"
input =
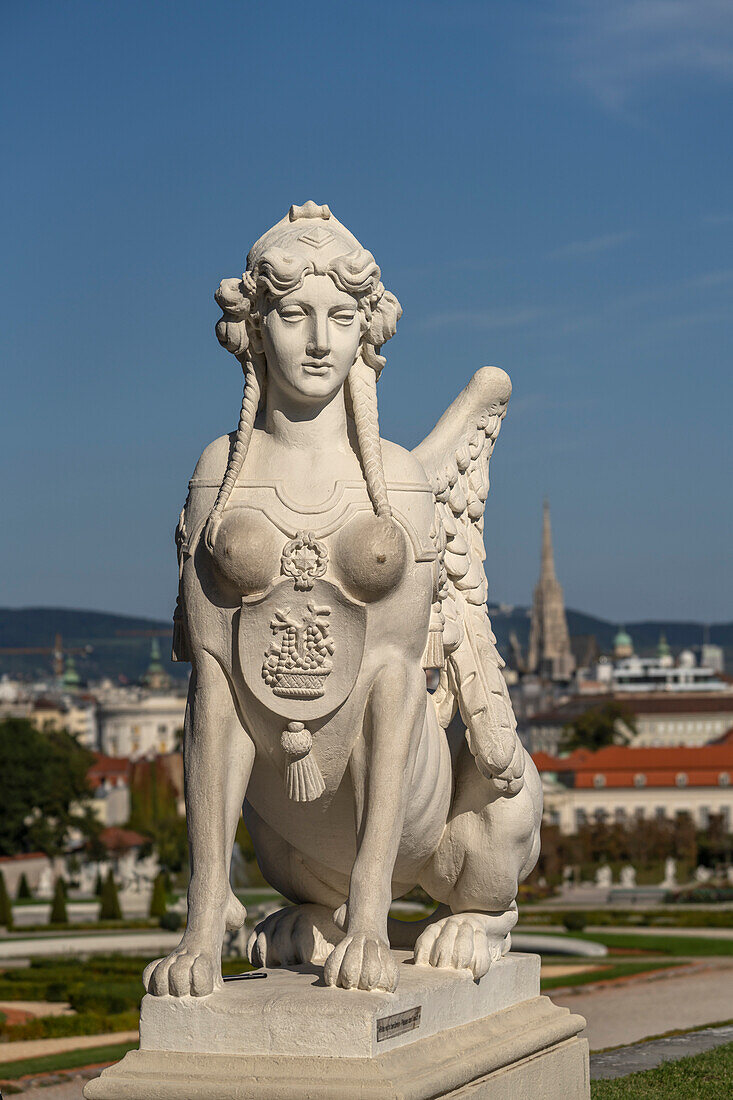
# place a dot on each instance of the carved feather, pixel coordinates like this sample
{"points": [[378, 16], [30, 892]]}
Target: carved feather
{"points": [[456, 459]]}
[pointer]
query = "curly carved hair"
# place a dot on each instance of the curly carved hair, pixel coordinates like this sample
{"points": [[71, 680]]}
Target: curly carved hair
{"points": [[274, 275]]}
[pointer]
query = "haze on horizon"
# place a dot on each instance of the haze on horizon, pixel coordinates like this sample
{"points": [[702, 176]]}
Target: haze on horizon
{"points": [[545, 187]]}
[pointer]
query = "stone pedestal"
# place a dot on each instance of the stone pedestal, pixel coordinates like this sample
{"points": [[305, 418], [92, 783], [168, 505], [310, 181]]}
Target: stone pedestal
{"points": [[290, 1037]]}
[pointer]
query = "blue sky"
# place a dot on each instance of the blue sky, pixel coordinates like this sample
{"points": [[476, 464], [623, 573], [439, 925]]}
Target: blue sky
{"points": [[546, 186]]}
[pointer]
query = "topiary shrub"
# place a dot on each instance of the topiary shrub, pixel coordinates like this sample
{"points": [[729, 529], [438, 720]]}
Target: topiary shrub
{"points": [[171, 921], [106, 998], [158, 900], [574, 922], [109, 908], [58, 905], [6, 908], [23, 891]]}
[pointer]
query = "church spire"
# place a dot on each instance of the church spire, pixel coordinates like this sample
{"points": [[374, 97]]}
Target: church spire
{"points": [[547, 563], [549, 654]]}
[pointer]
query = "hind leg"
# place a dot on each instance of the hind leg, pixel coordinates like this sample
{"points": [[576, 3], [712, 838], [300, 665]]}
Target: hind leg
{"points": [[490, 844], [299, 933]]}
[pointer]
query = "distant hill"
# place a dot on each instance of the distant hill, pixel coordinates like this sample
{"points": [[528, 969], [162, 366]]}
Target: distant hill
{"points": [[119, 645]]}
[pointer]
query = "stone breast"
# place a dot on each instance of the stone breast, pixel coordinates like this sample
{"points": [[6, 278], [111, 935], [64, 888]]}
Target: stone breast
{"points": [[368, 555]]}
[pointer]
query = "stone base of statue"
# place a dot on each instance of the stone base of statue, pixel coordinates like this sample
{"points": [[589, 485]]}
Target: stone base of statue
{"points": [[290, 1037]]}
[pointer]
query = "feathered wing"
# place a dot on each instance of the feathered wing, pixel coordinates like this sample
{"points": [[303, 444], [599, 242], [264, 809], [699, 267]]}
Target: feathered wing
{"points": [[456, 459]]}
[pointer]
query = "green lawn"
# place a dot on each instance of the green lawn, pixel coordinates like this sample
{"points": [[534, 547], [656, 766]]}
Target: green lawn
{"points": [[605, 973], [69, 1059], [706, 1076], [665, 943]]}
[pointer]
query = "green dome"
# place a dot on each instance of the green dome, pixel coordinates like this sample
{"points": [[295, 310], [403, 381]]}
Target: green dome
{"points": [[71, 678], [663, 649], [622, 638]]}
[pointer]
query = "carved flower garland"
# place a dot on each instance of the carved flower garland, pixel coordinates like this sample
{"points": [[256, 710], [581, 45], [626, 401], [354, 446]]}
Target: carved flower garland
{"points": [[304, 559]]}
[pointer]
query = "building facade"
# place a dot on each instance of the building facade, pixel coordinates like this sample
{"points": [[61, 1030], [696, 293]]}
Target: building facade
{"points": [[136, 723], [624, 785], [657, 720]]}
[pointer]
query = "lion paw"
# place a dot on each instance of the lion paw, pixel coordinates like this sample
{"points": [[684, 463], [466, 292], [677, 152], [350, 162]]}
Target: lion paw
{"points": [[361, 961], [296, 934], [464, 941]]}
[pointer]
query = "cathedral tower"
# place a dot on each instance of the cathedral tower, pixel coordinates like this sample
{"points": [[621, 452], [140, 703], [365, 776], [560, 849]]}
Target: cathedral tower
{"points": [[550, 655]]}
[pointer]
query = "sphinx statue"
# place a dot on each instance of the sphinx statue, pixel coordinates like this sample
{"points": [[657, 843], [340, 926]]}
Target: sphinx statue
{"points": [[322, 571]]}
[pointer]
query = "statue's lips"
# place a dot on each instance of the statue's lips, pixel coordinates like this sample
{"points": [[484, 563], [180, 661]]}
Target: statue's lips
{"points": [[317, 368]]}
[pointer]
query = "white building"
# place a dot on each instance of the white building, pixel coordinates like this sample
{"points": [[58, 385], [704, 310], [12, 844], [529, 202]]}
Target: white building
{"points": [[136, 723], [651, 674]]}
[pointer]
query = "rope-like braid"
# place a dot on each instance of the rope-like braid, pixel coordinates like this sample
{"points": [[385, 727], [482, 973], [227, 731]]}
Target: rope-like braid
{"points": [[253, 379], [362, 382]]}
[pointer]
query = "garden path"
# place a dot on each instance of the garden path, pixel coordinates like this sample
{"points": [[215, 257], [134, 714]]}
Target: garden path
{"points": [[653, 1005]]}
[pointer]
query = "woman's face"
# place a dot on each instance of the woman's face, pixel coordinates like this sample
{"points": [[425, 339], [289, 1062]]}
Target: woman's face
{"points": [[310, 339]]}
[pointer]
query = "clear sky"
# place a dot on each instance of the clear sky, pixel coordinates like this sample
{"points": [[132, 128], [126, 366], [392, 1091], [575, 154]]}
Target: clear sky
{"points": [[546, 186]]}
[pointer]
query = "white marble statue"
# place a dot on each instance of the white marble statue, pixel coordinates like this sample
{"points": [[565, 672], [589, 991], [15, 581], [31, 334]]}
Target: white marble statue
{"points": [[628, 876], [322, 571], [604, 877], [670, 872]]}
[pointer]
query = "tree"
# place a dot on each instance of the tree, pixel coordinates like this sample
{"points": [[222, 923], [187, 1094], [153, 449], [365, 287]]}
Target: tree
{"points": [[6, 908], [42, 784], [597, 728], [23, 891], [158, 900], [154, 812], [98, 885], [109, 908], [58, 906]]}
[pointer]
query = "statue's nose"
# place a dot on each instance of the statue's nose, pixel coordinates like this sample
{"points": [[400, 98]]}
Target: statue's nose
{"points": [[318, 344]]}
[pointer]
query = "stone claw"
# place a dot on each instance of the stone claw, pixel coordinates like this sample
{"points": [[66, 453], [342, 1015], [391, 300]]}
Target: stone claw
{"points": [[361, 961]]}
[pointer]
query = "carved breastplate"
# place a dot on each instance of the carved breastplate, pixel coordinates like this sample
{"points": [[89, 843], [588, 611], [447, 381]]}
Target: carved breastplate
{"points": [[368, 556]]}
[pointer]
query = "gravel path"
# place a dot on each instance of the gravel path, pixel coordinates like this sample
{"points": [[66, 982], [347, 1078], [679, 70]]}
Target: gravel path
{"points": [[89, 943], [635, 930], [629, 1011], [70, 1091], [38, 1048]]}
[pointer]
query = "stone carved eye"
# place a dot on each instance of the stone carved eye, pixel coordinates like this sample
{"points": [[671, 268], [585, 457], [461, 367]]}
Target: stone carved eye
{"points": [[292, 314]]}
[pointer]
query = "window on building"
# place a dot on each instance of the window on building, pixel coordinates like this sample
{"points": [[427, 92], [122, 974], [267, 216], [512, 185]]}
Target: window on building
{"points": [[599, 781], [724, 779], [704, 817], [581, 819], [639, 813], [681, 779], [599, 816], [660, 813], [619, 815], [639, 780], [162, 729]]}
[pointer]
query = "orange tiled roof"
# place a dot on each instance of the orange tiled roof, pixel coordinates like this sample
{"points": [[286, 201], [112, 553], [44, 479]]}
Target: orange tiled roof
{"points": [[621, 764]]}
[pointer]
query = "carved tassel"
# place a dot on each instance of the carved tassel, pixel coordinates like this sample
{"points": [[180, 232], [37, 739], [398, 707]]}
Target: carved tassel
{"points": [[303, 779], [434, 656]]}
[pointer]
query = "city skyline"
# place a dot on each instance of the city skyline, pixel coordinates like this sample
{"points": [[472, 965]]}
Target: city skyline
{"points": [[570, 170]]}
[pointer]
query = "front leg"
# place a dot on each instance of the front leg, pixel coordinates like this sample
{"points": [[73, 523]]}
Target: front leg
{"points": [[218, 756], [393, 720]]}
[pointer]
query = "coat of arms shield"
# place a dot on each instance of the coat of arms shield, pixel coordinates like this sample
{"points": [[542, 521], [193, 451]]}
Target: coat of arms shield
{"points": [[300, 649]]}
